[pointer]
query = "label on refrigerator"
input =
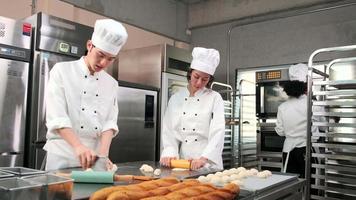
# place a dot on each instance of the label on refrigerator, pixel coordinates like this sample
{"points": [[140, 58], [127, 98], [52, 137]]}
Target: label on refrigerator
{"points": [[64, 47], [26, 29]]}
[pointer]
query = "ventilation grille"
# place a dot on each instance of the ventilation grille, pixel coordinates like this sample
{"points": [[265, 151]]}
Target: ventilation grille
{"points": [[2, 30]]}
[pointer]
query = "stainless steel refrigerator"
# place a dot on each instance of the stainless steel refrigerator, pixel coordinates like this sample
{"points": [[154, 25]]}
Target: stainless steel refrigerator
{"points": [[15, 43], [137, 139], [55, 40]]}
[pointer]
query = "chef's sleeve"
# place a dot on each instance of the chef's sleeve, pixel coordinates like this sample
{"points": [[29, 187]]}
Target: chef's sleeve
{"points": [[213, 151], [111, 119], [169, 141], [279, 123], [55, 101]]}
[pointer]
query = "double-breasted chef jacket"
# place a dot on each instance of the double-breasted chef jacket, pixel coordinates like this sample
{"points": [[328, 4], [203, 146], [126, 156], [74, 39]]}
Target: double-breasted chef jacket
{"points": [[86, 103], [196, 125]]}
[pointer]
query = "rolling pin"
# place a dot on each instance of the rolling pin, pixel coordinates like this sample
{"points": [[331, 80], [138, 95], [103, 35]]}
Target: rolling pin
{"points": [[100, 177], [185, 164]]}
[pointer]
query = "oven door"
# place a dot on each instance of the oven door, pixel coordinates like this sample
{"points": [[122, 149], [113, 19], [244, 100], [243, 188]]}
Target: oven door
{"points": [[271, 141], [268, 97]]}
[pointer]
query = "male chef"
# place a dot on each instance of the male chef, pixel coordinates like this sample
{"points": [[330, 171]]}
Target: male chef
{"points": [[81, 102]]}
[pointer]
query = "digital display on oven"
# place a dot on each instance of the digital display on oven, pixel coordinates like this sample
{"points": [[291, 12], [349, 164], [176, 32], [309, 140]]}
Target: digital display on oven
{"points": [[268, 75]]}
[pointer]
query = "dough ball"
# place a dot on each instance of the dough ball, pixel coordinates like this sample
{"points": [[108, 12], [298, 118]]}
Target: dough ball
{"points": [[238, 182], [209, 176], [216, 180], [269, 173], [250, 173], [219, 174], [157, 172], [234, 177], [226, 179], [226, 172], [89, 169], [240, 169], [114, 168], [242, 174], [253, 171], [146, 168], [233, 171], [203, 179], [262, 175]]}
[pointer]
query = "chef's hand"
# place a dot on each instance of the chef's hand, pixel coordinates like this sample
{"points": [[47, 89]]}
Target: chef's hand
{"points": [[198, 163], [110, 166], [166, 161], [86, 156]]}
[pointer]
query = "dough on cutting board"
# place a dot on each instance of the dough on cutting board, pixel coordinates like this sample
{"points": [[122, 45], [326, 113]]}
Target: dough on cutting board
{"points": [[226, 172], [233, 171], [234, 177], [242, 174], [253, 171], [157, 172], [226, 179], [240, 169], [238, 182], [146, 168], [179, 169], [264, 174], [209, 176], [216, 180], [203, 179], [219, 174]]}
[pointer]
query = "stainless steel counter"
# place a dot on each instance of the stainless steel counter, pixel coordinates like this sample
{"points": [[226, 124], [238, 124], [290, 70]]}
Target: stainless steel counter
{"points": [[84, 190], [288, 190]]}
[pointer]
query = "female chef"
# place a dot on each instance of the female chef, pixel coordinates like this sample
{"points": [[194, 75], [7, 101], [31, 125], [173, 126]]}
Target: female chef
{"points": [[194, 122], [292, 120], [81, 102]]}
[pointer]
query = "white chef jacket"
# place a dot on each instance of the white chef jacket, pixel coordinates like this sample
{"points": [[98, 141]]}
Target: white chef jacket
{"points": [[86, 103], [196, 124], [292, 122]]}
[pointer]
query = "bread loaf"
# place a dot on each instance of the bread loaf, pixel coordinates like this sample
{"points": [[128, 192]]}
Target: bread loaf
{"points": [[104, 193], [167, 189]]}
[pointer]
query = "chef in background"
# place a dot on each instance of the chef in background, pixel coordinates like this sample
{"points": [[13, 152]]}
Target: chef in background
{"points": [[81, 102], [292, 120], [194, 122]]}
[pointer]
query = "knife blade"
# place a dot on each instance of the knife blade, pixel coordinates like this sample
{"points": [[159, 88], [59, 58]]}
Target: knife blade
{"points": [[100, 163]]}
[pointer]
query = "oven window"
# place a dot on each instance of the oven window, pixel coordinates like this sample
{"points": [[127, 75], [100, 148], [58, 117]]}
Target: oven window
{"points": [[272, 142], [270, 96]]}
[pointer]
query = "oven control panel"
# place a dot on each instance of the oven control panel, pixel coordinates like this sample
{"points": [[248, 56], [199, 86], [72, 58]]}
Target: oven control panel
{"points": [[272, 75]]}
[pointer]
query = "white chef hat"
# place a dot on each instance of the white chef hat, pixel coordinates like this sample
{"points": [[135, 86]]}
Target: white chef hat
{"points": [[298, 72], [205, 60], [109, 35]]}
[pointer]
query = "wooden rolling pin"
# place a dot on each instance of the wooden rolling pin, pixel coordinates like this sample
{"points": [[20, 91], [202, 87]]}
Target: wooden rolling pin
{"points": [[101, 177], [185, 164]]}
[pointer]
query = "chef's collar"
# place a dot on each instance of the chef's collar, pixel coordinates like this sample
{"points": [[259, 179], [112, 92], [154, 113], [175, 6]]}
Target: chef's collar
{"points": [[85, 68], [197, 93]]}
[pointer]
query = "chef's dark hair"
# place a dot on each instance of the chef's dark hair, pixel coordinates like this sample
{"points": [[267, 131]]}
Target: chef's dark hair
{"points": [[189, 75], [295, 88]]}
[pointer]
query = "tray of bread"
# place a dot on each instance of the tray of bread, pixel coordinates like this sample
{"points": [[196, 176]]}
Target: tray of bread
{"points": [[168, 189], [247, 179]]}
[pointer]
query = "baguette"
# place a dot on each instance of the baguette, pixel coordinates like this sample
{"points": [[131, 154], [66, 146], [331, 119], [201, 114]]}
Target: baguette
{"points": [[104, 193]]}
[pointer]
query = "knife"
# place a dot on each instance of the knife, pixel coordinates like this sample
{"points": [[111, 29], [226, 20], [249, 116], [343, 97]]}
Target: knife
{"points": [[100, 163]]}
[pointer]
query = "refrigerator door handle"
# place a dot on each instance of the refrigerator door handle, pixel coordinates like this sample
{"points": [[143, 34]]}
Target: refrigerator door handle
{"points": [[149, 111], [9, 153]]}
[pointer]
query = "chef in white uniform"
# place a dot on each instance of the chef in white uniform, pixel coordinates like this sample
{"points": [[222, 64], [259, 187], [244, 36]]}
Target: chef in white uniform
{"points": [[81, 102], [292, 120], [194, 122]]}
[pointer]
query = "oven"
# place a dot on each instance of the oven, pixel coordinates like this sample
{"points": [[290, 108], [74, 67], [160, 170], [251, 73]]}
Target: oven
{"points": [[269, 95]]}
